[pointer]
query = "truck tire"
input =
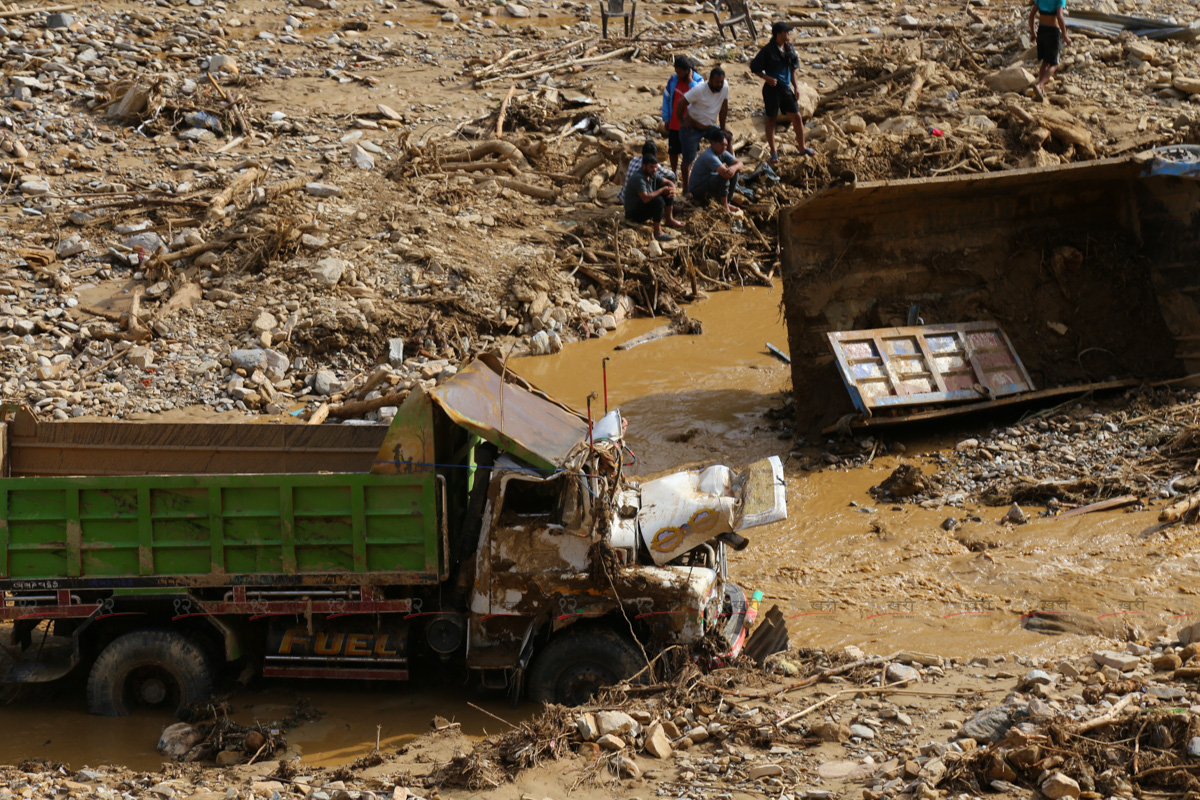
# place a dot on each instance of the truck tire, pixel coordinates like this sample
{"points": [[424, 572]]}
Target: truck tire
{"points": [[574, 665], [157, 669]]}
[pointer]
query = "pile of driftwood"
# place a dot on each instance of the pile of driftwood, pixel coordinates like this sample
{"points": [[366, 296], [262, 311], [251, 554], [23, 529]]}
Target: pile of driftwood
{"points": [[520, 64], [1124, 751], [500, 161]]}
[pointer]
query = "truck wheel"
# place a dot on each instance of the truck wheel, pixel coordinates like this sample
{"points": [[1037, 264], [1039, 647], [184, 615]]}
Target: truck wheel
{"points": [[156, 669], [573, 666]]}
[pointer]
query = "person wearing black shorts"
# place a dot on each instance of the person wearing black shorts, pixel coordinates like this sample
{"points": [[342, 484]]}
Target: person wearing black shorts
{"points": [[1051, 30], [776, 63]]}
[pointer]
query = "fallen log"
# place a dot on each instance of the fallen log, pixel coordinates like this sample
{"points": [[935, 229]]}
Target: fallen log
{"points": [[1107, 718], [379, 377], [590, 163], [504, 110], [1103, 505], [356, 408], [194, 250], [25, 12], [517, 186], [479, 166], [924, 72], [496, 65], [501, 148], [1176, 512], [858, 86], [319, 415], [216, 206], [284, 187], [624, 51], [828, 673], [680, 326], [1020, 113]]}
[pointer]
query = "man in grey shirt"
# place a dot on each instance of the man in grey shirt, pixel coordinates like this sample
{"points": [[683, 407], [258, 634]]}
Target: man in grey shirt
{"points": [[649, 198], [715, 173]]}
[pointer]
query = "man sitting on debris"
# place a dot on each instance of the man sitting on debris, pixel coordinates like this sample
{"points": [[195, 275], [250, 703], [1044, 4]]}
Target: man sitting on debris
{"points": [[648, 198], [684, 79], [635, 166], [715, 173], [777, 63], [701, 108], [1052, 21]]}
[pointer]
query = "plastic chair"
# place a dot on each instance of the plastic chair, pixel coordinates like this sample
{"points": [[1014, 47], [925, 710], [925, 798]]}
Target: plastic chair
{"points": [[738, 14], [616, 8]]}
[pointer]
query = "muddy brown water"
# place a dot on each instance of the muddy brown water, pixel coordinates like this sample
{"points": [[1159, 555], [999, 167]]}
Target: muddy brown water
{"points": [[844, 569], [61, 730]]}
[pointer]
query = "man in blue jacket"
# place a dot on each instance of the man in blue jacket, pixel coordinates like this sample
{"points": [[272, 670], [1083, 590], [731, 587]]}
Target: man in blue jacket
{"points": [[681, 82], [776, 64]]}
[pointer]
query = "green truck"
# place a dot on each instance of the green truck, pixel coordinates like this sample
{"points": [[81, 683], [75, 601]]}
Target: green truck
{"points": [[488, 528]]}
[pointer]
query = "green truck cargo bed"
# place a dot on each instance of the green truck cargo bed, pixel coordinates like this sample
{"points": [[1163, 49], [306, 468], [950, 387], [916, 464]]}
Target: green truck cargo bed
{"points": [[197, 530]]}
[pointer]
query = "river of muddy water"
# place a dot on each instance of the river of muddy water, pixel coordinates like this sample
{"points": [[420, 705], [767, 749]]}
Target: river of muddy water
{"points": [[844, 569]]}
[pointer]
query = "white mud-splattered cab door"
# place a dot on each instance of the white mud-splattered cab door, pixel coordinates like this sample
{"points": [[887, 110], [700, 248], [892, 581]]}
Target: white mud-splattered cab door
{"points": [[684, 510]]}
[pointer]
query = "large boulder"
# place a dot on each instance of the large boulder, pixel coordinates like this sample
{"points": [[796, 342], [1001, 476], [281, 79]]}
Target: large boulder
{"points": [[1186, 84], [807, 99], [988, 725], [1011, 79]]}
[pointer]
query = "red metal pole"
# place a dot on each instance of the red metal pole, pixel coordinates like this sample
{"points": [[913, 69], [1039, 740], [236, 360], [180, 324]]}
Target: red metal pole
{"points": [[604, 370], [591, 442]]}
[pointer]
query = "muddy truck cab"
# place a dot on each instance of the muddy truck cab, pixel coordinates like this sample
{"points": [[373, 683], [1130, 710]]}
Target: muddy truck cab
{"points": [[493, 533]]}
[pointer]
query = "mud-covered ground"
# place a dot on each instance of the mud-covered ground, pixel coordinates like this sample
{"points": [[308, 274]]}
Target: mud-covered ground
{"points": [[810, 724], [270, 208], [254, 206]]}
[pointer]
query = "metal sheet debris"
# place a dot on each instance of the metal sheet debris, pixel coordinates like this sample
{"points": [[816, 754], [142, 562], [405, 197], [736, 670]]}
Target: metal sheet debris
{"points": [[1115, 24], [928, 365], [492, 402]]}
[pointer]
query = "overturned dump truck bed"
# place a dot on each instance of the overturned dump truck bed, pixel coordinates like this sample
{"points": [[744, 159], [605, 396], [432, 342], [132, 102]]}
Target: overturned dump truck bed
{"points": [[1089, 268]]}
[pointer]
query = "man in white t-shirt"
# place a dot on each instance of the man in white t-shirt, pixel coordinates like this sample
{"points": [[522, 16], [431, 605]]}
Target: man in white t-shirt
{"points": [[702, 107]]}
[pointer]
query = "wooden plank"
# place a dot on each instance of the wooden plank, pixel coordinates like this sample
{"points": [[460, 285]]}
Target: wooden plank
{"points": [[1019, 364], [887, 366], [930, 363], [976, 367], [839, 352], [1010, 400], [1103, 505]]}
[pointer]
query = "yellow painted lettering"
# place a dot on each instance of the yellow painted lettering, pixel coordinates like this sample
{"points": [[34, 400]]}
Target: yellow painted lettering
{"points": [[328, 644], [381, 648], [358, 644], [295, 637]]}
